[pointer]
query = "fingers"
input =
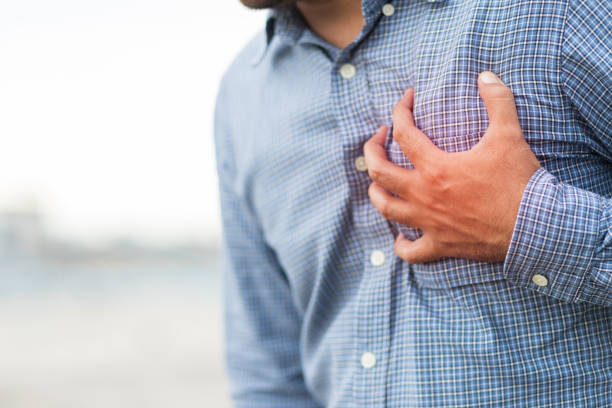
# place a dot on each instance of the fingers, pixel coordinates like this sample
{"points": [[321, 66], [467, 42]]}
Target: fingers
{"points": [[380, 136], [498, 99], [414, 143], [392, 208], [384, 172], [407, 104], [419, 251]]}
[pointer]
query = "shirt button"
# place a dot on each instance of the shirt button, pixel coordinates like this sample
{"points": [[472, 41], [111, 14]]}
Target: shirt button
{"points": [[388, 10], [347, 71], [360, 164], [377, 258], [540, 280], [368, 360]]}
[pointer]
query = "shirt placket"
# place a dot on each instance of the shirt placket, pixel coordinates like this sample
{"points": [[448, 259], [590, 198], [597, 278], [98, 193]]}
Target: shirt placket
{"points": [[371, 327]]}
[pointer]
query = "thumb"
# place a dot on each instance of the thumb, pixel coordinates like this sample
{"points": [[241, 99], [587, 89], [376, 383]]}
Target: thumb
{"points": [[498, 100]]}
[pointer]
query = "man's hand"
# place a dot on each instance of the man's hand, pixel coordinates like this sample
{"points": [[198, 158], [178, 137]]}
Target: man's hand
{"points": [[465, 203]]}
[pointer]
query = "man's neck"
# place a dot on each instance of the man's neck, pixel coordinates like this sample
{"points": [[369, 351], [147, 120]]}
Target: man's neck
{"points": [[336, 21]]}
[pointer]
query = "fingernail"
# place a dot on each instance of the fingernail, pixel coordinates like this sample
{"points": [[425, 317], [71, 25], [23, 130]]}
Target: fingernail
{"points": [[487, 77]]}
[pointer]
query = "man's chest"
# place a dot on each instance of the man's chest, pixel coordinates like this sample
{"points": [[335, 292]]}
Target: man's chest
{"points": [[302, 155]]}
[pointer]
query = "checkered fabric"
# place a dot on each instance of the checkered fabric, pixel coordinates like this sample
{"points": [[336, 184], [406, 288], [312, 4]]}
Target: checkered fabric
{"points": [[319, 311]]}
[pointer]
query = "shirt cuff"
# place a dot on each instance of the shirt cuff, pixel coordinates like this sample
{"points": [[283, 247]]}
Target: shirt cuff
{"points": [[554, 238]]}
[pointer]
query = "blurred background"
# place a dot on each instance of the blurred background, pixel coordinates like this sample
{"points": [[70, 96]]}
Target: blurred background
{"points": [[109, 218]]}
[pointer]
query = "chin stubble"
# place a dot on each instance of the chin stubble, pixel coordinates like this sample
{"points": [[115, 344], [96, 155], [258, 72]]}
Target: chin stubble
{"points": [[266, 4]]}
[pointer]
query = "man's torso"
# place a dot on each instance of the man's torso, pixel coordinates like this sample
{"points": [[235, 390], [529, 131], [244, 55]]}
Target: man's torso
{"points": [[448, 333]]}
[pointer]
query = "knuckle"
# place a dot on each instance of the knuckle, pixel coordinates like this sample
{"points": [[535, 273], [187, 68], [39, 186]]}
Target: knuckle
{"points": [[428, 201], [371, 194], [374, 171], [437, 176], [403, 253], [452, 250], [381, 177], [444, 187], [399, 135], [440, 246], [425, 201], [373, 166], [380, 202], [384, 207]]}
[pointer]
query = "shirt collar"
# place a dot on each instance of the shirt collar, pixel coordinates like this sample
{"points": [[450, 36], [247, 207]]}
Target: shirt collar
{"points": [[287, 22], [284, 22]]}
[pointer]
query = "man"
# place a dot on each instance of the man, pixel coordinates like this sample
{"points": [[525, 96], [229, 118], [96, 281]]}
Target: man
{"points": [[461, 256]]}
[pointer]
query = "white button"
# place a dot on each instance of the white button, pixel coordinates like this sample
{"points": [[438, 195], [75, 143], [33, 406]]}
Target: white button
{"points": [[388, 9], [347, 71], [540, 280], [360, 164], [377, 258], [368, 360]]}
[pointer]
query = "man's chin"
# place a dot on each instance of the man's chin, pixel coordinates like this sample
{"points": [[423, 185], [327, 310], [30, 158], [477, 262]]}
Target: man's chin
{"points": [[266, 4]]}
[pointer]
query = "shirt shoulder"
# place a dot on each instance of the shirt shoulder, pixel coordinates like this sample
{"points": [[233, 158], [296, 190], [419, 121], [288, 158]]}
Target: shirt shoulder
{"points": [[231, 104], [243, 64]]}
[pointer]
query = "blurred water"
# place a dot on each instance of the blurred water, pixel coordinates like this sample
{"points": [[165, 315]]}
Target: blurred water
{"points": [[134, 335], [107, 110]]}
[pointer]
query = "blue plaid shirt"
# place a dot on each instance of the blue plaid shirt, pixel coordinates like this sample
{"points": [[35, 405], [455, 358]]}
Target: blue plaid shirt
{"points": [[319, 311]]}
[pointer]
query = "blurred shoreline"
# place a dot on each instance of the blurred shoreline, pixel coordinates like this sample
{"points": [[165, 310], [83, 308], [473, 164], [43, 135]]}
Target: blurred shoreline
{"points": [[114, 325], [23, 237]]}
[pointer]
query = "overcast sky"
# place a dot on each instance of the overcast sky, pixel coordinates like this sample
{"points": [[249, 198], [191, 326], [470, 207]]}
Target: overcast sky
{"points": [[106, 112]]}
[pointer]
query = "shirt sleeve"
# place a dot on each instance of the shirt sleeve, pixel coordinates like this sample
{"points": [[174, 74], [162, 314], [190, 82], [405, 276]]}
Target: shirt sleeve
{"points": [[262, 325], [564, 233]]}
